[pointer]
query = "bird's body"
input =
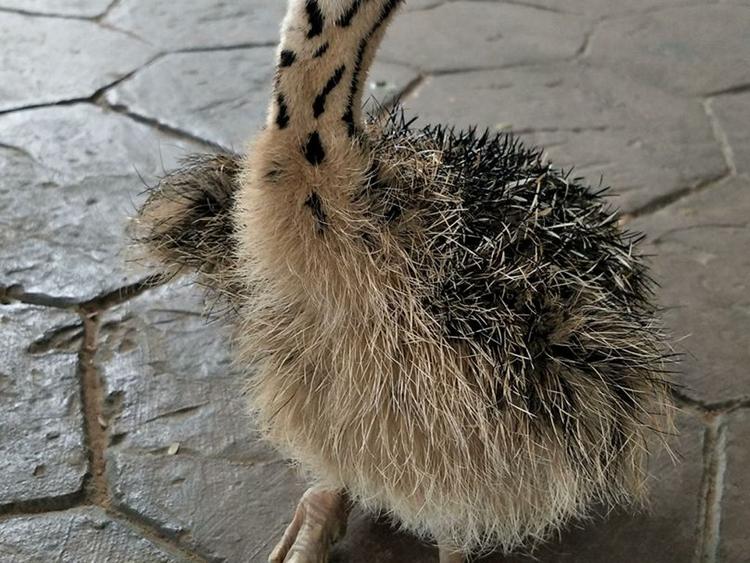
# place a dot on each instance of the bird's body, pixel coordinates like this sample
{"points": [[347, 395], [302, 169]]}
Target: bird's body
{"points": [[439, 324]]}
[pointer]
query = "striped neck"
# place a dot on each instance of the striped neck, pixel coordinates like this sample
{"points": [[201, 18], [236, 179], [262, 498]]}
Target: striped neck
{"points": [[325, 54]]}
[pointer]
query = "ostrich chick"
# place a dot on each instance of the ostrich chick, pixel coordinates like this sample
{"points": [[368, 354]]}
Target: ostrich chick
{"points": [[441, 326]]}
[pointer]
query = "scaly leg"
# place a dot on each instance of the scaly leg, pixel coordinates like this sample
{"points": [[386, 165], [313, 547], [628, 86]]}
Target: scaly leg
{"points": [[449, 555], [318, 523]]}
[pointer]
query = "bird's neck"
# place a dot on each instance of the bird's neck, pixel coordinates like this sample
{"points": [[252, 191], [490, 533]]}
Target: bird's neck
{"points": [[324, 57]]}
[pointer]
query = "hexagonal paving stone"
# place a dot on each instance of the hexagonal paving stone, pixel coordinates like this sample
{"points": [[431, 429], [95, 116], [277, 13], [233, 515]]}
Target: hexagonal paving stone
{"points": [[732, 113], [76, 8], [735, 542], [703, 265], [184, 454], [43, 60], [667, 528], [70, 182], [680, 49], [42, 451], [74, 536], [191, 24], [501, 35], [223, 96], [645, 143]]}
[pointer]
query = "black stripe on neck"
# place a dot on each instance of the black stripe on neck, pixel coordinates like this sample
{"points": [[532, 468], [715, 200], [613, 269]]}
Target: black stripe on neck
{"points": [[287, 58], [314, 151], [319, 106], [346, 18], [316, 206], [321, 50], [282, 117], [385, 12], [315, 17]]}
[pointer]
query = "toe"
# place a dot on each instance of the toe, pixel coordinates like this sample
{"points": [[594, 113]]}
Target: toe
{"points": [[279, 553]]}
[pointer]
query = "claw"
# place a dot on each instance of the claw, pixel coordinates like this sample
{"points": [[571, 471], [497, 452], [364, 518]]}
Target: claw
{"points": [[319, 521]]}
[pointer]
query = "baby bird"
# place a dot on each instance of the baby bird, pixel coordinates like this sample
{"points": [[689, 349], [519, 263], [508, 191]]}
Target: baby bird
{"points": [[436, 325]]}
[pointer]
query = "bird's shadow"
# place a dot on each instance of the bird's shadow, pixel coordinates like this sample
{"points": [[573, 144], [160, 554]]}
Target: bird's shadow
{"points": [[614, 535]]}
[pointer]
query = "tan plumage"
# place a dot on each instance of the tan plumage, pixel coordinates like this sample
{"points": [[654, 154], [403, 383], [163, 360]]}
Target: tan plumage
{"points": [[440, 324]]}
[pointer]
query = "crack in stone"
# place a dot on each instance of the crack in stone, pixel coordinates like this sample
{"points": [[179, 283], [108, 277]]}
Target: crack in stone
{"points": [[112, 5], [98, 411], [431, 6], [92, 99], [163, 127], [181, 412], [231, 47], [151, 532], [65, 102], [98, 98], [521, 3], [737, 89], [51, 15], [97, 304], [381, 111], [95, 18], [585, 48], [580, 129], [712, 489], [661, 202], [66, 338], [16, 293], [92, 399], [724, 407], [721, 136], [663, 238], [120, 295], [19, 151], [581, 51], [42, 505]]}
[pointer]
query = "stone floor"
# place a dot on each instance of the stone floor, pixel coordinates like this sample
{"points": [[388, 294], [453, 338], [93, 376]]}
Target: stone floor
{"points": [[122, 430]]}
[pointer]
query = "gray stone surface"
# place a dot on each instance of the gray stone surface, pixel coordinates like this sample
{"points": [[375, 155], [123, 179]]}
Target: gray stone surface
{"points": [[184, 454], [414, 5], [703, 266], [192, 24], [74, 8], [732, 112], [188, 91], [734, 537], [645, 143], [44, 60], [680, 49], [76, 536], [71, 178], [386, 83], [42, 452], [471, 35], [599, 9]]}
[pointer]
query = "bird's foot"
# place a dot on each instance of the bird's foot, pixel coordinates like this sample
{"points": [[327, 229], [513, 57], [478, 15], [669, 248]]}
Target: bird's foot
{"points": [[318, 523]]}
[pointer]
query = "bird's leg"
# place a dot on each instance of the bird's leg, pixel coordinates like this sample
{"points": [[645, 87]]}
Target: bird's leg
{"points": [[450, 555], [318, 523]]}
